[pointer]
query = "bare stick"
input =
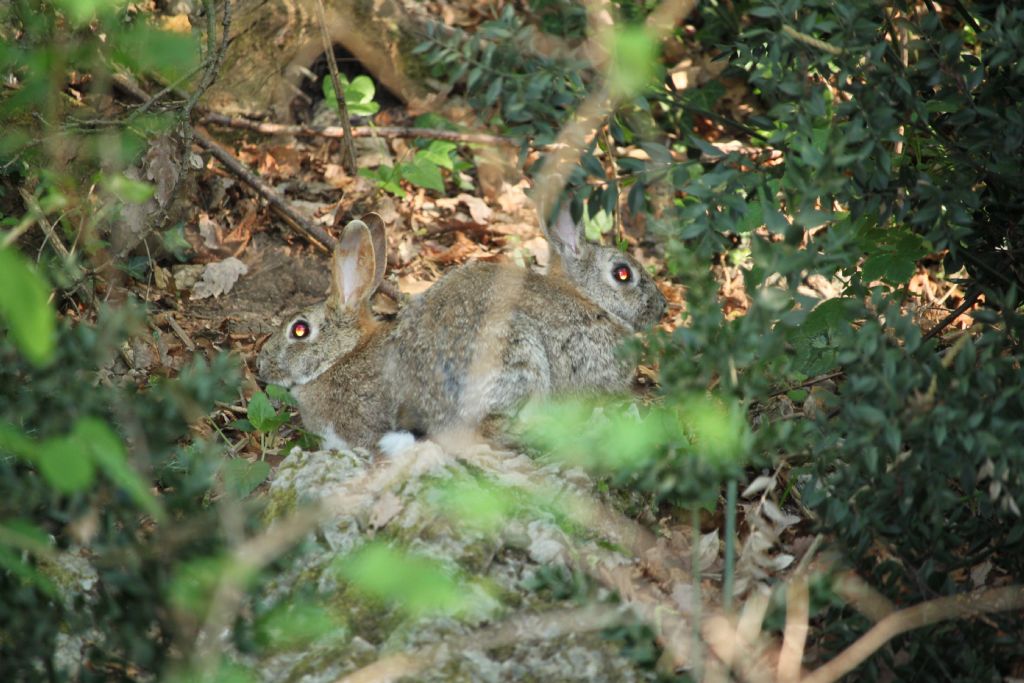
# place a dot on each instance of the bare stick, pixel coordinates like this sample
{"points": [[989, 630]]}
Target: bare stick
{"points": [[214, 52], [924, 614], [969, 300], [811, 40], [794, 637], [269, 128], [348, 148], [294, 220]]}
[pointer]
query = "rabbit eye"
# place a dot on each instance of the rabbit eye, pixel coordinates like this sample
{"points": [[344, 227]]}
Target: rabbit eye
{"points": [[299, 329], [622, 273]]}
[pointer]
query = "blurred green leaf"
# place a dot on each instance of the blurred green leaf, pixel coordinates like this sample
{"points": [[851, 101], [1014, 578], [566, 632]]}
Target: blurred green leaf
{"points": [[66, 463], [25, 308], [241, 477], [128, 190], [634, 61], [146, 49], [417, 584], [107, 450], [279, 393], [13, 563], [81, 11], [295, 624]]}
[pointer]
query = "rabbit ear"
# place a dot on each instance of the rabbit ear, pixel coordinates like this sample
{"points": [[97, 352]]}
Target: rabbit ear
{"points": [[353, 267], [566, 235], [380, 244]]}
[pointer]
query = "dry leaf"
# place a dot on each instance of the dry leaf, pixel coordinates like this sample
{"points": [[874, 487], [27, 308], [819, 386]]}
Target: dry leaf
{"points": [[478, 209], [209, 231], [763, 483], [218, 278], [459, 251], [177, 23]]}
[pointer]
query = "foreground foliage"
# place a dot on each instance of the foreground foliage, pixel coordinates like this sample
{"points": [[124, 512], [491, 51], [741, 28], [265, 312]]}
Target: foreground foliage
{"points": [[877, 139]]}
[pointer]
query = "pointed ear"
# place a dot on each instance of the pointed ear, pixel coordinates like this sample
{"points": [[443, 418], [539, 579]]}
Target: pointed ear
{"points": [[353, 267], [566, 235], [378, 238]]}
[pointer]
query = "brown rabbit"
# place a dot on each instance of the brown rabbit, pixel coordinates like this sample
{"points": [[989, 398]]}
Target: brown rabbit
{"points": [[330, 356], [486, 337]]}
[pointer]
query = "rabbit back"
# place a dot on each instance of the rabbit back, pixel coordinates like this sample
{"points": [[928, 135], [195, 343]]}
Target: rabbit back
{"points": [[486, 337]]}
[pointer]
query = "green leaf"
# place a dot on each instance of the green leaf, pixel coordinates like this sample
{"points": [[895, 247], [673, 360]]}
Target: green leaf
{"points": [[493, 90], [107, 451], [13, 441], [262, 415], [241, 477], [13, 563], [26, 309], [146, 49], [128, 189], [295, 624], [82, 11], [424, 173], [358, 95], [418, 584], [438, 152], [894, 268], [24, 535], [634, 61], [66, 463], [386, 177]]}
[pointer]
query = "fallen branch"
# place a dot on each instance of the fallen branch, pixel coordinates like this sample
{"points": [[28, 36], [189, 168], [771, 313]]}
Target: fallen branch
{"points": [[294, 220], [357, 131], [924, 614], [972, 296]]}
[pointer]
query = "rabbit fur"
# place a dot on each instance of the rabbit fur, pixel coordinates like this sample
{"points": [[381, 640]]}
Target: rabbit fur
{"points": [[333, 369], [486, 337], [478, 343]]}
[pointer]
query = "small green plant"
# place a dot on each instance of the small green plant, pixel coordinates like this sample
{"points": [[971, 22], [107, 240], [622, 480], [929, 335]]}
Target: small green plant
{"points": [[359, 95], [423, 170]]}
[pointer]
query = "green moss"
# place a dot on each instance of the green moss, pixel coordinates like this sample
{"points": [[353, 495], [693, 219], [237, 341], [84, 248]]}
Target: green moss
{"points": [[280, 503]]}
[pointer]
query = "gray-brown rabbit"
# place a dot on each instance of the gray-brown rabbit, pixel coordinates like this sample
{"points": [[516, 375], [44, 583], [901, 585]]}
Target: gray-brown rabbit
{"points": [[330, 355], [486, 337]]}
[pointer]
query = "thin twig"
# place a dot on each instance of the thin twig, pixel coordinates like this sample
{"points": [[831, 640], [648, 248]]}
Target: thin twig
{"points": [[215, 52], [972, 296], [294, 220], [808, 382], [348, 148], [269, 128], [591, 114], [811, 40], [927, 613], [794, 638]]}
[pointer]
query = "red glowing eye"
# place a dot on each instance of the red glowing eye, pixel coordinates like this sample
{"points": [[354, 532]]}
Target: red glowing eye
{"points": [[622, 273], [300, 329]]}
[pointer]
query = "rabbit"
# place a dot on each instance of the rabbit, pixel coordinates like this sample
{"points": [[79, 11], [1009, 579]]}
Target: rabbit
{"points": [[330, 355], [487, 337]]}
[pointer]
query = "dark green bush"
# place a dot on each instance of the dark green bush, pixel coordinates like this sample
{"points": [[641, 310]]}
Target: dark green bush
{"points": [[901, 133]]}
